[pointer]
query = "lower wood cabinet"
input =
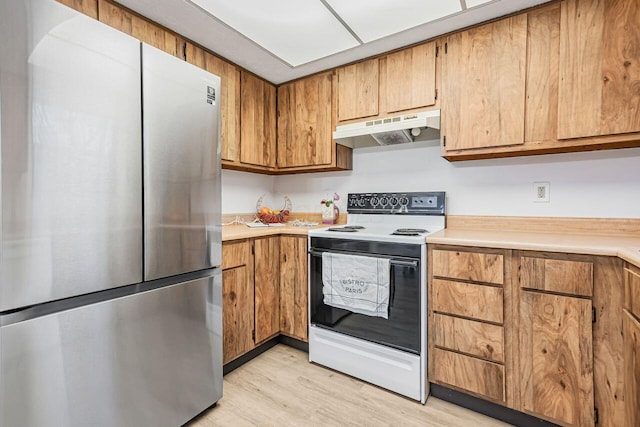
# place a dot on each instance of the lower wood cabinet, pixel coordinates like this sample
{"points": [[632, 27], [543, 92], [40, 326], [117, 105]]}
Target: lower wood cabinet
{"points": [[294, 287], [548, 342], [264, 292]]}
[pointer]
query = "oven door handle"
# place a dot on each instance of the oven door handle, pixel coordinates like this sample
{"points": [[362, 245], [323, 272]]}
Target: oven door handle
{"points": [[399, 263]]}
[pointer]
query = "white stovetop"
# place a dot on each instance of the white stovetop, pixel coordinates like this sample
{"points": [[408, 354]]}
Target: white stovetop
{"points": [[379, 228]]}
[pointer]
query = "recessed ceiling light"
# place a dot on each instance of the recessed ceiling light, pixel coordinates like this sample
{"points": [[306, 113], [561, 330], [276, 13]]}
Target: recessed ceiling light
{"points": [[374, 19], [296, 31]]}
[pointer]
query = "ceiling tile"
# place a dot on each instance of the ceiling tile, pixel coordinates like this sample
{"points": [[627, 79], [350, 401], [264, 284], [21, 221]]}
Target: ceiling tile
{"points": [[296, 31], [474, 3], [374, 19]]}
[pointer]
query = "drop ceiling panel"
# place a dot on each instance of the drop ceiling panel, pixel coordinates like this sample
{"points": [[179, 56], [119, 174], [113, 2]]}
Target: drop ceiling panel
{"points": [[375, 19], [296, 31]]}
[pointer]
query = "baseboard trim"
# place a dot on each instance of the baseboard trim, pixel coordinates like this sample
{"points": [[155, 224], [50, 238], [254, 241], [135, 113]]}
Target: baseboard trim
{"points": [[280, 339], [489, 409]]}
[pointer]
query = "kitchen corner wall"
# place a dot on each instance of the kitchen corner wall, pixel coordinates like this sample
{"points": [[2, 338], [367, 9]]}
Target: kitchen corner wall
{"points": [[241, 190], [591, 184]]}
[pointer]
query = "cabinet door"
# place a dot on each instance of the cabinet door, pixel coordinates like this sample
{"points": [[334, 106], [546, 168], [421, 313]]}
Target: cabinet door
{"points": [[358, 90], [599, 92], [631, 331], [556, 358], [194, 55], [146, 31], [483, 82], [267, 287], [293, 287], [237, 299], [229, 105], [411, 78], [258, 117], [305, 122]]}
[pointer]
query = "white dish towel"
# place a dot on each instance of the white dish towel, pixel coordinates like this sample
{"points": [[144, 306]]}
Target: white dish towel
{"points": [[356, 283]]}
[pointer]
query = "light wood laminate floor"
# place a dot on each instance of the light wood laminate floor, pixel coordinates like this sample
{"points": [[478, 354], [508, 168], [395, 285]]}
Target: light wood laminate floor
{"points": [[281, 388]]}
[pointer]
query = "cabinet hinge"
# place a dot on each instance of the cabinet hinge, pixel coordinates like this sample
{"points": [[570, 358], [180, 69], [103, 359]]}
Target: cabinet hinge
{"points": [[437, 50], [252, 250], [184, 51], [446, 48], [253, 335], [444, 141], [436, 97], [596, 416], [593, 315]]}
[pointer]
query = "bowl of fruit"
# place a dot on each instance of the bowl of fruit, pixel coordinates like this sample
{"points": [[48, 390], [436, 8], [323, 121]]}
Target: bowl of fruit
{"points": [[273, 216]]}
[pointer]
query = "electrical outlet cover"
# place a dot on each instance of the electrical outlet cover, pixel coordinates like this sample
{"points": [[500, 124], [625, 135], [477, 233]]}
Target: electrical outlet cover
{"points": [[541, 192]]}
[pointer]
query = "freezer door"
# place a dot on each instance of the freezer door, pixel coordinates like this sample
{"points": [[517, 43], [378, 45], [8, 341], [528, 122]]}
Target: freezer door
{"points": [[71, 154], [149, 359], [181, 166]]}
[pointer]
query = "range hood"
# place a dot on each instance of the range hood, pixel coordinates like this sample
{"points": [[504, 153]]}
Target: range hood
{"points": [[401, 129]]}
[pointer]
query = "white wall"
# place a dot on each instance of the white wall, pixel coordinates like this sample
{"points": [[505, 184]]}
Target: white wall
{"points": [[241, 190], [593, 184]]}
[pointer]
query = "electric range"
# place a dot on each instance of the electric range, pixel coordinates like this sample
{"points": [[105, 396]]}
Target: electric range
{"points": [[387, 348]]}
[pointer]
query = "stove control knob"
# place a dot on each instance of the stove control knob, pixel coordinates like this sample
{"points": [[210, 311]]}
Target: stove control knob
{"points": [[393, 201], [383, 201], [361, 203], [374, 202], [404, 201]]}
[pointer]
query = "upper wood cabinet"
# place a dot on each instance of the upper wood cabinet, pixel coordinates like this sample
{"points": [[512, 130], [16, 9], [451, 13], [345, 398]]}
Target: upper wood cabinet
{"points": [[358, 90], [306, 121], [483, 85], [599, 92], [409, 78], [144, 30], [258, 118], [88, 7], [229, 105]]}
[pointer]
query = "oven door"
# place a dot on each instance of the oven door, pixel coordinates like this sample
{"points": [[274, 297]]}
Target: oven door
{"points": [[402, 330]]}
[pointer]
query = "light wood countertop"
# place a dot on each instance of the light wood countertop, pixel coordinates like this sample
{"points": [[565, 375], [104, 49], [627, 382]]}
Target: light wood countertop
{"points": [[241, 231], [627, 248]]}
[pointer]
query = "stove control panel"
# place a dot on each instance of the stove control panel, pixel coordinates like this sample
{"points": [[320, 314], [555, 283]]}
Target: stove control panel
{"points": [[408, 203]]}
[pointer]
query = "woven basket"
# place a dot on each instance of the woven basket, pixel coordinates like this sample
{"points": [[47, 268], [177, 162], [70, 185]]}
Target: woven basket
{"points": [[271, 217]]}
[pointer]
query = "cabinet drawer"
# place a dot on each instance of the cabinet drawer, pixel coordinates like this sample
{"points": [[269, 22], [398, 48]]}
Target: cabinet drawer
{"points": [[235, 254], [468, 373], [468, 300], [555, 275], [467, 336], [632, 291], [476, 266]]}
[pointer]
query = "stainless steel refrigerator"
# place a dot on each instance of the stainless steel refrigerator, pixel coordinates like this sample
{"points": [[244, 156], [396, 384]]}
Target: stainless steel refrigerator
{"points": [[110, 287]]}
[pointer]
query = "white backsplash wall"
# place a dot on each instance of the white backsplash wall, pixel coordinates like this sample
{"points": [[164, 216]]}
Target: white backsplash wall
{"points": [[592, 184], [240, 191]]}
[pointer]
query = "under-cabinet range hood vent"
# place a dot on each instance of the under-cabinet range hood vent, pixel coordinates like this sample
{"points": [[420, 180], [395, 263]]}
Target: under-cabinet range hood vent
{"points": [[412, 127]]}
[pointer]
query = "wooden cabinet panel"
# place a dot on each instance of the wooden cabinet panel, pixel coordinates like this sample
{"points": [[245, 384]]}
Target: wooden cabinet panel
{"points": [[556, 358], [468, 300], [631, 331], [237, 311], [568, 277], [543, 53], [476, 266], [140, 28], [358, 90], [88, 7], [267, 287], [599, 92], [466, 336], [411, 78], [305, 121], [293, 287], [632, 290], [468, 373], [194, 55], [229, 105], [483, 85], [258, 118], [237, 299]]}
